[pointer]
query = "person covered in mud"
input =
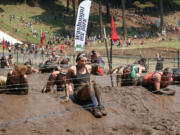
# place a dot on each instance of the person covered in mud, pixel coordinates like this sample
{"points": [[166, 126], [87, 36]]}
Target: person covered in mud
{"points": [[4, 62], [160, 59], [142, 64], [17, 82], [94, 57], [10, 60], [30, 68], [54, 56], [128, 74], [85, 91], [97, 59], [58, 78], [158, 81]]}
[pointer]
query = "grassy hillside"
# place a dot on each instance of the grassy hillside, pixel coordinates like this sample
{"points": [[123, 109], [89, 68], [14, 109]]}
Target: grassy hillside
{"points": [[52, 17]]}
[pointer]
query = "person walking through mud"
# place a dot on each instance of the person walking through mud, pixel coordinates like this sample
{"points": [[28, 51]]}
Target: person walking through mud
{"points": [[158, 81], [159, 64], [85, 90], [17, 80]]}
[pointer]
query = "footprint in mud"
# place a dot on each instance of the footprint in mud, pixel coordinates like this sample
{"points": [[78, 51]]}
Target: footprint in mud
{"points": [[2, 130]]}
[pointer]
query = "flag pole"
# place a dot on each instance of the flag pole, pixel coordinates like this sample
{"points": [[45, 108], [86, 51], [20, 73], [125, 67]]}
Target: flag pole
{"points": [[107, 52], [3, 51]]}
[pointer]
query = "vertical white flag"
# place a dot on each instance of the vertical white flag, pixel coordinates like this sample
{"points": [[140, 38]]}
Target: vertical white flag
{"points": [[81, 24]]}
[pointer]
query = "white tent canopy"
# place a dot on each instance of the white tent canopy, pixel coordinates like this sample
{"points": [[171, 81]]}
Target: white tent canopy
{"points": [[9, 38]]}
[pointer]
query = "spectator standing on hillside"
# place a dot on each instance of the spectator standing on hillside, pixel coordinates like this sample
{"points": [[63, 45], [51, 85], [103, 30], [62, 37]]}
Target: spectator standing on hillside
{"points": [[61, 48], [160, 59]]}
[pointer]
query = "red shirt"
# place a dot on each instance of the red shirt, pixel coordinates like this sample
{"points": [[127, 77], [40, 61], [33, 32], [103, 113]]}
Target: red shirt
{"points": [[61, 47]]}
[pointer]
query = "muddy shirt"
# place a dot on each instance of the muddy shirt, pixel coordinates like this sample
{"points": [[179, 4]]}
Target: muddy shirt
{"points": [[80, 79]]}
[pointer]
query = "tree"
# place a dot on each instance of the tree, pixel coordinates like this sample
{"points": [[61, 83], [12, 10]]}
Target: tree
{"points": [[100, 17], [107, 11], [79, 1], [67, 6], [161, 14], [73, 4], [124, 19]]}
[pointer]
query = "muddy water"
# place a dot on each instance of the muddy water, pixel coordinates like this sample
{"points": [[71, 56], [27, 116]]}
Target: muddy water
{"points": [[131, 110]]}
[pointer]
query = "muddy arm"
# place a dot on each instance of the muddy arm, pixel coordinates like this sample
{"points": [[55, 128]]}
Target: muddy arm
{"points": [[68, 84]]}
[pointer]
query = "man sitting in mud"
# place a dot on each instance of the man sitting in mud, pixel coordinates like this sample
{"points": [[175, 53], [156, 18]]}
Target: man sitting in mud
{"points": [[58, 78], [158, 81], [48, 66], [94, 57], [97, 59], [176, 76], [85, 91], [17, 80], [54, 56], [128, 74], [30, 68]]}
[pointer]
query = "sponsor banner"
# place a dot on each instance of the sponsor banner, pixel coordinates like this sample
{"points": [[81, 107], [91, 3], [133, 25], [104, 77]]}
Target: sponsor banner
{"points": [[81, 25]]}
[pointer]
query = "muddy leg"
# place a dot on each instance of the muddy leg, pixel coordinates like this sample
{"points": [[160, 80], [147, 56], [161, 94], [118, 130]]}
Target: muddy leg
{"points": [[24, 85], [118, 80], [97, 88]]}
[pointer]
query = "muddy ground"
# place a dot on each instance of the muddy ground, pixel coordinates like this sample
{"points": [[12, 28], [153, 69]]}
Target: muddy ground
{"points": [[131, 111]]}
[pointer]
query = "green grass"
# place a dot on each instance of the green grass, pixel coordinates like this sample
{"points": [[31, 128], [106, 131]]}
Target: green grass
{"points": [[136, 44], [29, 13], [46, 13], [177, 2]]}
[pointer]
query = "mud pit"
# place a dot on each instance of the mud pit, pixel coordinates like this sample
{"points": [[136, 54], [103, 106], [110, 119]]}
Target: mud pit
{"points": [[131, 111]]}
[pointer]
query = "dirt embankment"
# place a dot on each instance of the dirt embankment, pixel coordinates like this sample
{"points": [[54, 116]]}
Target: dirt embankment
{"points": [[131, 110]]}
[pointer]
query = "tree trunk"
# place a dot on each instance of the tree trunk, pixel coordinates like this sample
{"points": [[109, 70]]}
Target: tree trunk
{"points": [[107, 11], [67, 6], [73, 4], [79, 1], [124, 19], [161, 14], [100, 17]]}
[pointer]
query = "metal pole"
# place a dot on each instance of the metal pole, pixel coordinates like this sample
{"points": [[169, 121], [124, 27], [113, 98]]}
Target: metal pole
{"points": [[178, 55], [108, 58], [111, 62], [17, 55], [3, 51]]}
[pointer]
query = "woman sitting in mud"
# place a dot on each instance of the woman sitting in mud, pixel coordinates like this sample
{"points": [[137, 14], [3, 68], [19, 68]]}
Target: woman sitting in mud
{"points": [[85, 90], [58, 78], [17, 80], [30, 68], [128, 74], [158, 82]]}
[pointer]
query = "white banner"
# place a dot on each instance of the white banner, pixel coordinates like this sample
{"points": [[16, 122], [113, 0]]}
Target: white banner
{"points": [[81, 24]]}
